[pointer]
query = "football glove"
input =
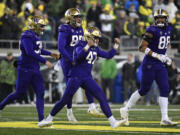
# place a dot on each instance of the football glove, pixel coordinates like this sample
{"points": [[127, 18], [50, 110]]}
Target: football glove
{"points": [[160, 57], [168, 61]]}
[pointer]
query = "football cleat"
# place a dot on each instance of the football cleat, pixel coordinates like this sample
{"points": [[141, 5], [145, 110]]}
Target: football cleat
{"points": [[95, 113], [45, 123], [71, 117], [168, 123], [117, 123], [124, 116]]}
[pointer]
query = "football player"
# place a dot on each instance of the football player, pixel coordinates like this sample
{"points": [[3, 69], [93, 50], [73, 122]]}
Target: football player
{"points": [[28, 69], [69, 34], [85, 54], [154, 44]]}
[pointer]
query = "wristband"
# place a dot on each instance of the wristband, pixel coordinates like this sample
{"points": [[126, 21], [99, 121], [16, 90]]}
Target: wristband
{"points": [[86, 47], [116, 46], [147, 50], [155, 55]]}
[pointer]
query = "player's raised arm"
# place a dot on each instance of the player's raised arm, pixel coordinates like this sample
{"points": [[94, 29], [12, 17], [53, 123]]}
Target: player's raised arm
{"points": [[112, 52], [92, 35]]}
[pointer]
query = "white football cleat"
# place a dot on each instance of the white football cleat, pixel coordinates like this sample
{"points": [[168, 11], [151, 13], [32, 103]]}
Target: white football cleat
{"points": [[44, 123], [124, 116], [71, 117], [168, 123], [95, 113], [117, 123]]}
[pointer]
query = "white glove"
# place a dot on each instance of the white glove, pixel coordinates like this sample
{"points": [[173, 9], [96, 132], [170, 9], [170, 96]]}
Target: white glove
{"points": [[168, 61], [161, 57]]}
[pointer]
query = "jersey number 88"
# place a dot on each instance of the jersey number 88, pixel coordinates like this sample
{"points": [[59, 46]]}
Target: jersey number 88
{"points": [[164, 42]]}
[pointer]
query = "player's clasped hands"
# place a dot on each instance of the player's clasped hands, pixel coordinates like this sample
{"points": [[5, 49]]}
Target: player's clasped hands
{"points": [[55, 56], [164, 59], [161, 57], [168, 61]]}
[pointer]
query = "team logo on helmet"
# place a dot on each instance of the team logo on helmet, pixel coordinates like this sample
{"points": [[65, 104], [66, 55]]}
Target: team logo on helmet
{"points": [[92, 32], [160, 13]]}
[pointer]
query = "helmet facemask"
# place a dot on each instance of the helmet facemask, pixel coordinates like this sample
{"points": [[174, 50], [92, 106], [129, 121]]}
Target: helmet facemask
{"points": [[40, 29], [159, 21], [76, 20]]}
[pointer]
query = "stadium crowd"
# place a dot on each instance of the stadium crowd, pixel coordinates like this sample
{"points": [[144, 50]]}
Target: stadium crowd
{"points": [[114, 18]]}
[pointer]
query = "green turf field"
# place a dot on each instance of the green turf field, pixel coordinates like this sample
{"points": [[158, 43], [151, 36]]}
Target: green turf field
{"points": [[144, 120]]}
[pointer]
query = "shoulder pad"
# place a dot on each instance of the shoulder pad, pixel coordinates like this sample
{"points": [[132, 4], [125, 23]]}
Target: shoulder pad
{"points": [[169, 26], [27, 33], [151, 29], [63, 28]]}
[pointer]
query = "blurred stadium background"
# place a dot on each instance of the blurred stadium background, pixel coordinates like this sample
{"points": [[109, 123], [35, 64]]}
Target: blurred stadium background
{"points": [[126, 19]]}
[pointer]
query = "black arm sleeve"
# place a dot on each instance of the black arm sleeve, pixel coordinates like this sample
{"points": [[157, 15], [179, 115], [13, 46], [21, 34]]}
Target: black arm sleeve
{"points": [[147, 38]]}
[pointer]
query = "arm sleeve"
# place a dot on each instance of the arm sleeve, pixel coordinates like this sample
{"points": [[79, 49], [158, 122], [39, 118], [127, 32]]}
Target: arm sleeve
{"points": [[107, 55], [146, 36], [151, 30], [62, 40], [45, 52], [27, 42]]}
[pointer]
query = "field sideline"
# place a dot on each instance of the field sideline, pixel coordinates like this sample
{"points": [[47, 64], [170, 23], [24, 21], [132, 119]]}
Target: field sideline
{"points": [[144, 120]]}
